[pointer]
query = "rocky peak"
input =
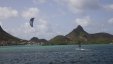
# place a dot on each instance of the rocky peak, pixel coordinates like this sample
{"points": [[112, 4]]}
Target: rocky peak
{"points": [[76, 33], [79, 29]]}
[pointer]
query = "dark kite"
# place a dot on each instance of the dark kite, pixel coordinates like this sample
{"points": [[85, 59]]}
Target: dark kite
{"points": [[31, 22]]}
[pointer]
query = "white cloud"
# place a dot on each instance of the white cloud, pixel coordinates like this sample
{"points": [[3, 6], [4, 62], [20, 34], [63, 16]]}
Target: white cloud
{"points": [[0, 23], [83, 21], [23, 29], [76, 5], [110, 21], [39, 1], [27, 28], [7, 12], [31, 12], [42, 25], [80, 5], [41, 29], [109, 7]]}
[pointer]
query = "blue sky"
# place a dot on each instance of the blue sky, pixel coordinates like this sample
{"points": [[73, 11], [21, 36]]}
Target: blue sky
{"points": [[55, 17]]}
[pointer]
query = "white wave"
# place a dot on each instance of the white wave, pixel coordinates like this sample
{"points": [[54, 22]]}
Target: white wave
{"points": [[80, 49]]}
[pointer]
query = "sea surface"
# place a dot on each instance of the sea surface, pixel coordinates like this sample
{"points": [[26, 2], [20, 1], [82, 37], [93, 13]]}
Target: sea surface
{"points": [[59, 54]]}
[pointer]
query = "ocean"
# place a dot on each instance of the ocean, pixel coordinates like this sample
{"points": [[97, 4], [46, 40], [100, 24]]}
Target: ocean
{"points": [[57, 54]]}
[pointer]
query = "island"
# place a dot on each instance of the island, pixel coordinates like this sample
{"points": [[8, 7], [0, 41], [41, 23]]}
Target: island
{"points": [[77, 35]]}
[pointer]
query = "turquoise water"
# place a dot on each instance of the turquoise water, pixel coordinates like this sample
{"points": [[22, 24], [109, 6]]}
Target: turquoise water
{"points": [[59, 54]]}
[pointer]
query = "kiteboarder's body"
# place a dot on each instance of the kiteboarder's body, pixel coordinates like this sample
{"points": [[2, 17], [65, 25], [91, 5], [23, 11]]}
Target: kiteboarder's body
{"points": [[79, 45], [80, 41]]}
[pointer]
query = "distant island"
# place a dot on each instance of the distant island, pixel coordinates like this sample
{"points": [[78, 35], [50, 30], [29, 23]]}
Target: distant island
{"points": [[77, 35]]}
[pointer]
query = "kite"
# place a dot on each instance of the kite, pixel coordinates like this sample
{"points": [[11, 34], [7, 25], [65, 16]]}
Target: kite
{"points": [[31, 22]]}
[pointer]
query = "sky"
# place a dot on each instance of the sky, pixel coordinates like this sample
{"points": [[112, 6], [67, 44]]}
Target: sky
{"points": [[55, 17]]}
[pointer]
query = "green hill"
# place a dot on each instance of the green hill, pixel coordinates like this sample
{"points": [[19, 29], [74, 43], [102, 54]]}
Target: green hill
{"points": [[79, 35], [7, 39], [59, 40]]}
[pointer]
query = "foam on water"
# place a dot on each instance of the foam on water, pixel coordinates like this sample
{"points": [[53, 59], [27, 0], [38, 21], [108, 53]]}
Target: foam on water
{"points": [[80, 49]]}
